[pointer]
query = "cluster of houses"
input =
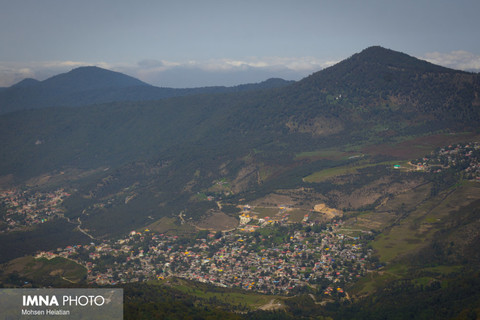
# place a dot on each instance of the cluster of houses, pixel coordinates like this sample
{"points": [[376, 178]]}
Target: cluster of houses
{"points": [[24, 208], [276, 259], [463, 158]]}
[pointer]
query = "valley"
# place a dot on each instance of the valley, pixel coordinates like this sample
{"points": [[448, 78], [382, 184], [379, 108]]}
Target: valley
{"points": [[289, 242], [335, 195]]}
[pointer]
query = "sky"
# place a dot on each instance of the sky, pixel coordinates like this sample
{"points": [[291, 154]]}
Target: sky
{"points": [[194, 43]]}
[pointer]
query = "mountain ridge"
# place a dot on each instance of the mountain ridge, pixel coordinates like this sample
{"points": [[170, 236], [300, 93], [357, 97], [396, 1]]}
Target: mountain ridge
{"points": [[27, 82], [91, 77], [93, 85], [379, 80], [376, 59], [334, 102]]}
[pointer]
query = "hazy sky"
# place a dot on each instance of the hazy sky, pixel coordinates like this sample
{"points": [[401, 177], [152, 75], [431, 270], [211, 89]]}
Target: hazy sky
{"points": [[179, 43]]}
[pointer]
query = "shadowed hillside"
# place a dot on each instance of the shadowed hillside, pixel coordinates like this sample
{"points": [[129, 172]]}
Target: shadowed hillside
{"points": [[90, 85]]}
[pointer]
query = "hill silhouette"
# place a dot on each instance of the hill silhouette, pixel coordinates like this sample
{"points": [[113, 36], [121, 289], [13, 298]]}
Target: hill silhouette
{"points": [[27, 82], [92, 85]]}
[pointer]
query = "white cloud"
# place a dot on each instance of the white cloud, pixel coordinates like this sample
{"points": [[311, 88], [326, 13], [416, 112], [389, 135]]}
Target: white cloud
{"points": [[225, 71], [10, 74], [294, 64], [150, 63], [460, 60]]}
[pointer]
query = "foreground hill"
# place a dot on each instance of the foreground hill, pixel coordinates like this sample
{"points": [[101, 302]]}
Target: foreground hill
{"points": [[90, 85]]}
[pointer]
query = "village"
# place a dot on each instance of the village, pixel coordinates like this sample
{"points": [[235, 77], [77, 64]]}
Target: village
{"points": [[463, 158], [273, 255], [279, 258], [24, 208]]}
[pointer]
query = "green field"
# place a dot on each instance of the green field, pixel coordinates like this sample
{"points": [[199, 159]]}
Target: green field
{"points": [[57, 271], [417, 229], [263, 212], [322, 154], [234, 297], [297, 215], [170, 226], [326, 174], [404, 237]]}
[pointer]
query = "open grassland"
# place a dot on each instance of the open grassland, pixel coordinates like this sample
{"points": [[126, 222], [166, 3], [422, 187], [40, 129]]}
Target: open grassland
{"points": [[330, 154], [444, 270], [263, 212], [415, 230], [37, 270], [368, 221], [326, 174], [408, 229], [375, 280], [401, 271], [250, 300], [170, 226], [404, 148], [387, 212], [414, 147], [297, 215], [217, 221], [293, 214], [406, 201]]}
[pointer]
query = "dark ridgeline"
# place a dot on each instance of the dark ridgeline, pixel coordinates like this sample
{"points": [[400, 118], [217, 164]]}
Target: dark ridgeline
{"points": [[93, 85]]}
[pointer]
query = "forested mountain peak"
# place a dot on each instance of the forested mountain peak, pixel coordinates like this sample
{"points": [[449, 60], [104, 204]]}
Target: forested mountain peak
{"points": [[374, 64], [395, 59], [91, 77], [378, 80], [27, 82]]}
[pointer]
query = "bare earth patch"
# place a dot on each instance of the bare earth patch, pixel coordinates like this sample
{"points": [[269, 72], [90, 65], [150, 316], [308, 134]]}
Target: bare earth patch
{"points": [[272, 305], [369, 194]]}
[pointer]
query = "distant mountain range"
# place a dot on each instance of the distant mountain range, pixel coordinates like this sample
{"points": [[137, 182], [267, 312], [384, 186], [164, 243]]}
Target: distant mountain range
{"points": [[93, 85], [377, 92]]}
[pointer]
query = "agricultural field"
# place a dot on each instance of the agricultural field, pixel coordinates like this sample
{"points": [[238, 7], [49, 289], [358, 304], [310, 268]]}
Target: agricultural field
{"points": [[406, 237], [350, 169], [26, 270], [411, 147], [171, 226], [234, 297], [417, 228]]}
